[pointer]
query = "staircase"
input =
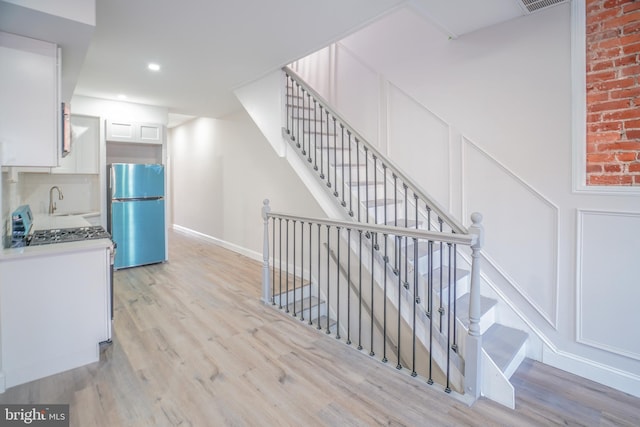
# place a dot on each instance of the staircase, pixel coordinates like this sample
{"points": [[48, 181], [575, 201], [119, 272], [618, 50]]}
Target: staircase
{"points": [[371, 190]]}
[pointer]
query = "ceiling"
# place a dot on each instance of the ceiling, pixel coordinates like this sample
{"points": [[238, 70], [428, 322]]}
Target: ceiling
{"points": [[208, 48]]}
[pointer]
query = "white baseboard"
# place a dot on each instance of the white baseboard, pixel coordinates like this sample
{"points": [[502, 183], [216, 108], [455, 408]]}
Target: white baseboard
{"points": [[227, 245], [620, 380]]}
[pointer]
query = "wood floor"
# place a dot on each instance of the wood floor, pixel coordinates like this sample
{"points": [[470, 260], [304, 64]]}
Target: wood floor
{"points": [[194, 346]]}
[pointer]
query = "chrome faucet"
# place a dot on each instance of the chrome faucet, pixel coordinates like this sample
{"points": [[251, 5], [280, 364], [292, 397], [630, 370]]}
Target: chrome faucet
{"points": [[52, 204]]}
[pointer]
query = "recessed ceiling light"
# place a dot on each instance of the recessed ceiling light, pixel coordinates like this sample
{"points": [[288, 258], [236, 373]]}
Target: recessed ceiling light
{"points": [[122, 96], [153, 67]]}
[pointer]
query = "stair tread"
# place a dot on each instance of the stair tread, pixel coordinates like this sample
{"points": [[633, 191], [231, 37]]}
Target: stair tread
{"points": [[307, 303], [381, 202], [460, 273], [502, 343], [462, 308], [323, 321]]}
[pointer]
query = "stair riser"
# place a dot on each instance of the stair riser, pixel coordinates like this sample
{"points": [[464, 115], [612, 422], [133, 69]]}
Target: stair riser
{"points": [[291, 296]]}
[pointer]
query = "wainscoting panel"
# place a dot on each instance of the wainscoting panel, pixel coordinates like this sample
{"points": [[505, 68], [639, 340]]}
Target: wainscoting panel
{"points": [[357, 94], [528, 258], [420, 144], [608, 289]]}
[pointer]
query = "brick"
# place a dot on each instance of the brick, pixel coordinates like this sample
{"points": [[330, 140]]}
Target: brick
{"points": [[626, 156], [597, 36], [626, 60], [632, 113], [592, 147], [617, 42], [603, 15], [631, 28], [594, 117], [613, 168], [615, 84], [633, 70], [608, 4], [622, 146], [610, 180], [593, 96], [594, 168], [600, 65], [605, 126], [633, 134], [625, 93], [609, 105], [621, 21], [631, 124], [600, 157], [631, 49], [634, 167], [630, 7]]}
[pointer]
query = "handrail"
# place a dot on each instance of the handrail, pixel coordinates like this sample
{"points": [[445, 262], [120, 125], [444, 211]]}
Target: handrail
{"points": [[453, 238], [435, 206]]}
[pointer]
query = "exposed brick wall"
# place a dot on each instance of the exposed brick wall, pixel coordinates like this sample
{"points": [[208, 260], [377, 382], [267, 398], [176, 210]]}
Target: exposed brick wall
{"points": [[613, 92]]}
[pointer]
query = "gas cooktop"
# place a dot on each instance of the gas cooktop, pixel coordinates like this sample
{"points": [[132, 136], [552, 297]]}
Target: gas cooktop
{"points": [[63, 235]]}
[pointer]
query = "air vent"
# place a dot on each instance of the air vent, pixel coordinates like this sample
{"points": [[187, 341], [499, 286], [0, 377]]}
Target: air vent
{"points": [[534, 5]]}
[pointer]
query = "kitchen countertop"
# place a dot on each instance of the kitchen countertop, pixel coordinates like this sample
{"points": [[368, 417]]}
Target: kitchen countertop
{"points": [[47, 222]]}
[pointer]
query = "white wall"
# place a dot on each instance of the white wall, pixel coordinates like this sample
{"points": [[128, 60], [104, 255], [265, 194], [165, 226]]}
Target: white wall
{"points": [[222, 170], [483, 123]]}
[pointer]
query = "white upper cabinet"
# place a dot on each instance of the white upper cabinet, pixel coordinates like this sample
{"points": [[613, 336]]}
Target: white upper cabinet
{"points": [[29, 102], [84, 157], [144, 133]]}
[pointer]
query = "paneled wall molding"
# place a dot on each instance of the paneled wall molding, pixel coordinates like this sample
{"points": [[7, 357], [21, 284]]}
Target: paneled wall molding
{"points": [[598, 289], [551, 317], [579, 110]]}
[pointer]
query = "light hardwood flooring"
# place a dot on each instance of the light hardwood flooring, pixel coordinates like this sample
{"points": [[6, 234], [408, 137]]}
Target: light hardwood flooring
{"points": [[194, 346]]}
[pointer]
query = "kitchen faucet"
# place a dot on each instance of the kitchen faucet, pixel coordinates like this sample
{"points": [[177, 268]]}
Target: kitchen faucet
{"points": [[52, 205]]}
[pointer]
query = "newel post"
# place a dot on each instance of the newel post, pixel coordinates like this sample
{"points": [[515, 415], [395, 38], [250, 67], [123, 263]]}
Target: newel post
{"points": [[473, 345], [266, 285]]}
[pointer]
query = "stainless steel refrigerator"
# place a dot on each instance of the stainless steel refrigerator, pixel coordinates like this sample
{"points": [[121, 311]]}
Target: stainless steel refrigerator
{"points": [[136, 213]]}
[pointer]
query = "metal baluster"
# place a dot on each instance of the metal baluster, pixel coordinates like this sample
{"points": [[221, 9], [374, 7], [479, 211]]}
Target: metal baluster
{"points": [[430, 266], [384, 302], [273, 251], [415, 256], [310, 271], [454, 347], [447, 389], [399, 365], [300, 114], [309, 129], [343, 203], [294, 268], [287, 265], [366, 182], [430, 310], [315, 137], [280, 261], [335, 160], [301, 270], [441, 309], [350, 179], [304, 121], [297, 107], [338, 284], [371, 352], [321, 145], [360, 291], [358, 178], [348, 286], [319, 281], [328, 281], [415, 303], [375, 189], [406, 249], [328, 150], [395, 221], [289, 100]]}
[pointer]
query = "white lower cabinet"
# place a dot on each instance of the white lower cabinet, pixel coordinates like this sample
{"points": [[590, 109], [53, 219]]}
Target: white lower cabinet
{"points": [[54, 312]]}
